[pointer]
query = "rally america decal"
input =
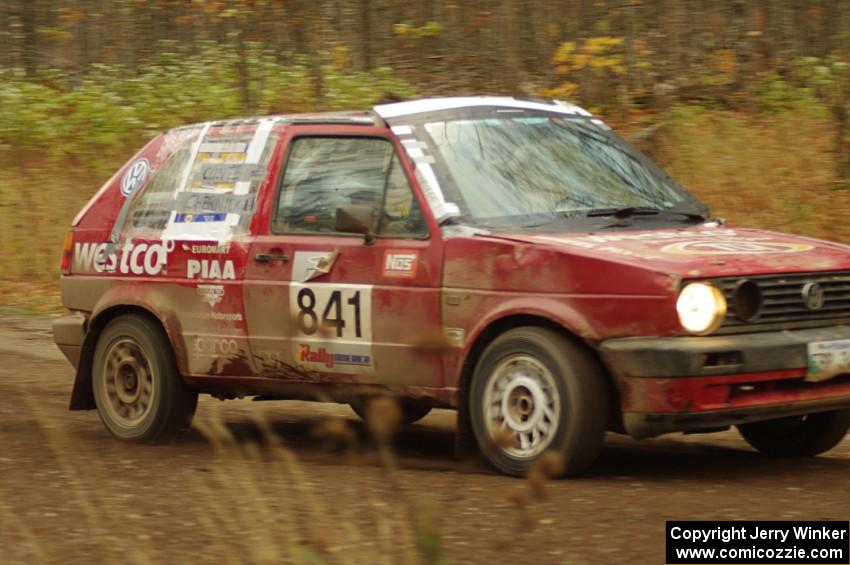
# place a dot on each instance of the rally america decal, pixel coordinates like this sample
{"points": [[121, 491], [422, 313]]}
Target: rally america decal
{"points": [[332, 327]]}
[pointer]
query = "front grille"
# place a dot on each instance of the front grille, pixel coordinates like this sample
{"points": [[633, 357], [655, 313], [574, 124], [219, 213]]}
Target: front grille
{"points": [[783, 306]]}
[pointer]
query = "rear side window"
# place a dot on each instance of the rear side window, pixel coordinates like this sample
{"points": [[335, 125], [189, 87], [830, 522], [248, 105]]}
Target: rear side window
{"points": [[324, 173], [207, 188]]}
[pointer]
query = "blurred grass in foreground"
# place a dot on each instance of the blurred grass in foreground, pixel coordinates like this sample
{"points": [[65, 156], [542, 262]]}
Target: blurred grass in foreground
{"points": [[237, 507], [771, 170]]}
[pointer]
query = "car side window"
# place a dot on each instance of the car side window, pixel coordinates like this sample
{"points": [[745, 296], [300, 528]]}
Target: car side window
{"points": [[324, 173]]}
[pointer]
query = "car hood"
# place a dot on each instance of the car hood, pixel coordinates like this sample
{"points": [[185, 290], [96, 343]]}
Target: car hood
{"points": [[702, 251]]}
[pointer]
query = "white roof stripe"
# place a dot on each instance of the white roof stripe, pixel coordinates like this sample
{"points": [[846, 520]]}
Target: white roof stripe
{"points": [[399, 109]]}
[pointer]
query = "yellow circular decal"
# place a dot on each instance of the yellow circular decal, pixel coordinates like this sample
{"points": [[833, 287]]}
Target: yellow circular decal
{"points": [[733, 247]]}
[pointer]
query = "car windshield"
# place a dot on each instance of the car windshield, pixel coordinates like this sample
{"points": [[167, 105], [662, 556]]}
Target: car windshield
{"points": [[509, 167]]}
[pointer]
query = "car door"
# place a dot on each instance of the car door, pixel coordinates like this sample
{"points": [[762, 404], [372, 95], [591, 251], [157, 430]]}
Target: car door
{"points": [[324, 305]]}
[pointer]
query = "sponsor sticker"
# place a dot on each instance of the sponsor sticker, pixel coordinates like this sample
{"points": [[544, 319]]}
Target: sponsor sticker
{"points": [[734, 247], [194, 202], [400, 264], [130, 258], [309, 354], [134, 177], [309, 265], [198, 218], [210, 269], [212, 294]]}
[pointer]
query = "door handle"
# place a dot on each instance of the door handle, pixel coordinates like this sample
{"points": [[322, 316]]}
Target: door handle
{"points": [[269, 257]]}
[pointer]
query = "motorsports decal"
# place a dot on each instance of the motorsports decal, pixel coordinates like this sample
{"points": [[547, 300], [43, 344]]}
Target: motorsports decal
{"points": [[332, 326], [212, 294]]}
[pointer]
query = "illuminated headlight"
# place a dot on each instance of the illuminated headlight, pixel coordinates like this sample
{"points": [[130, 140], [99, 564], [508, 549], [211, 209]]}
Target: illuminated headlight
{"points": [[701, 308]]}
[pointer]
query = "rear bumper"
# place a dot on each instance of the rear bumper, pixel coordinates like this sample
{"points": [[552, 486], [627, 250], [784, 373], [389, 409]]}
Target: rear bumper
{"points": [[695, 383], [68, 334]]}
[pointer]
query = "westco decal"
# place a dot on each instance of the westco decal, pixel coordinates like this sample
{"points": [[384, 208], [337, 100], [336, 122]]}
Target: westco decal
{"points": [[135, 258]]}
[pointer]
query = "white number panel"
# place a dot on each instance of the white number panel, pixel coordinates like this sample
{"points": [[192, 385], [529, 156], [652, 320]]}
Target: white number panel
{"points": [[332, 327]]}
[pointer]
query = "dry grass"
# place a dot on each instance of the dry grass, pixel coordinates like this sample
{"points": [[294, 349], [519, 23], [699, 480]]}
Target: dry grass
{"points": [[768, 172], [234, 506]]}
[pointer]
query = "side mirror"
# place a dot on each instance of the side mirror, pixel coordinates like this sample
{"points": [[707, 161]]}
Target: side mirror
{"points": [[356, 219]]}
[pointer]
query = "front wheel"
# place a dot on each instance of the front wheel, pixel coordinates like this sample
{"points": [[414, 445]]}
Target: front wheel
{"points": [[139, 394], [799, 436], [536, 391]]}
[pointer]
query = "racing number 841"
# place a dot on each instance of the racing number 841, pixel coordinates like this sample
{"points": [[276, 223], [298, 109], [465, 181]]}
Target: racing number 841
{"points": [[332, 315]]}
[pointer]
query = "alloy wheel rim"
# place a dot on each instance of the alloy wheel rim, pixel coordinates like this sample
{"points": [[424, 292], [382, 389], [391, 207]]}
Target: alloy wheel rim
{"points": [[128, 382], [522, 406]]}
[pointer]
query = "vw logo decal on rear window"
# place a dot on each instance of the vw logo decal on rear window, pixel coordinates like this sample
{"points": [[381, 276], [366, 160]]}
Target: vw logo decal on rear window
{"points": [[813, 296], [134, 177]]}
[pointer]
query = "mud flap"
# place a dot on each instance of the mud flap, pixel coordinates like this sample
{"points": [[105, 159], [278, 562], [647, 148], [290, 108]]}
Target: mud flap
{"points": [[465, 445], [82, 395]]}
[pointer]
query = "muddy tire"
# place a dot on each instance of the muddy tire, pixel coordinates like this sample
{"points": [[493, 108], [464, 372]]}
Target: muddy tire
{"points": [[800, 436], [411, 410], [139, 394], [535, 391]]}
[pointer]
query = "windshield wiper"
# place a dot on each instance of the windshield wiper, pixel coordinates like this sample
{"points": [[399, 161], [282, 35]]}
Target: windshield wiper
{"points": [[624, 212], [629, 211]]}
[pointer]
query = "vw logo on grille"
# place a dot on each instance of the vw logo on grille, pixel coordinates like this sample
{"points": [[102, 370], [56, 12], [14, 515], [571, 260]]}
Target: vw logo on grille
{"points": [[813, 296]]}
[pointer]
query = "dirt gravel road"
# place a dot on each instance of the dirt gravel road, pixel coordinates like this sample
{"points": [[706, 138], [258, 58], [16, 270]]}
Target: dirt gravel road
{"points": [[69, 493]]}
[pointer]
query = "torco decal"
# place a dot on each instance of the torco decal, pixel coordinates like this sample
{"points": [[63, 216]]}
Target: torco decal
{"points": [[733, 247], [136, 259], [400, 264], [135, 177], [332, 326], [213, 346], [210, 269]]}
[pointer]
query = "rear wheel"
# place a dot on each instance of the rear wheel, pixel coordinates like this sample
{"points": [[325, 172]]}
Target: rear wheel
{"points": [[411, 410], [139, 394], [535, 391], [800, 436]]}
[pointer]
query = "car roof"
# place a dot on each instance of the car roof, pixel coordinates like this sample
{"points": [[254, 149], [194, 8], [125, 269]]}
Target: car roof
{"points": [[399, 109], [383, 112]]}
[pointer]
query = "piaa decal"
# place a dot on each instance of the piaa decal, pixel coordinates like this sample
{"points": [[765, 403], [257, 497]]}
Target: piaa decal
{"points": [[210, 269]]}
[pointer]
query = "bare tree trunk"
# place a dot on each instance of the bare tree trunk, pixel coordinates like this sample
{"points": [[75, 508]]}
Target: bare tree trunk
{"points": [[29, 52]]}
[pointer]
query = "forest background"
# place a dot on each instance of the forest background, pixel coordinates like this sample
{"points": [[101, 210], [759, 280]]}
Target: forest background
{"points": [[745, 102]]}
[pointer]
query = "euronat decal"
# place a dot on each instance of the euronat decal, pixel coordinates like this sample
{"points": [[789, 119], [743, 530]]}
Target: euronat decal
{"points": [[510, 259]]}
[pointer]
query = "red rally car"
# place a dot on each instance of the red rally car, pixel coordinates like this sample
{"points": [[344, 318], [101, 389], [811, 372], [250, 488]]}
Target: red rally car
{"points": [[514, 260]]}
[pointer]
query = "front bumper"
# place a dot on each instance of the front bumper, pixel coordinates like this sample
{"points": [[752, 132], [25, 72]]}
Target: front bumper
{"points": [[696, 383]]}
